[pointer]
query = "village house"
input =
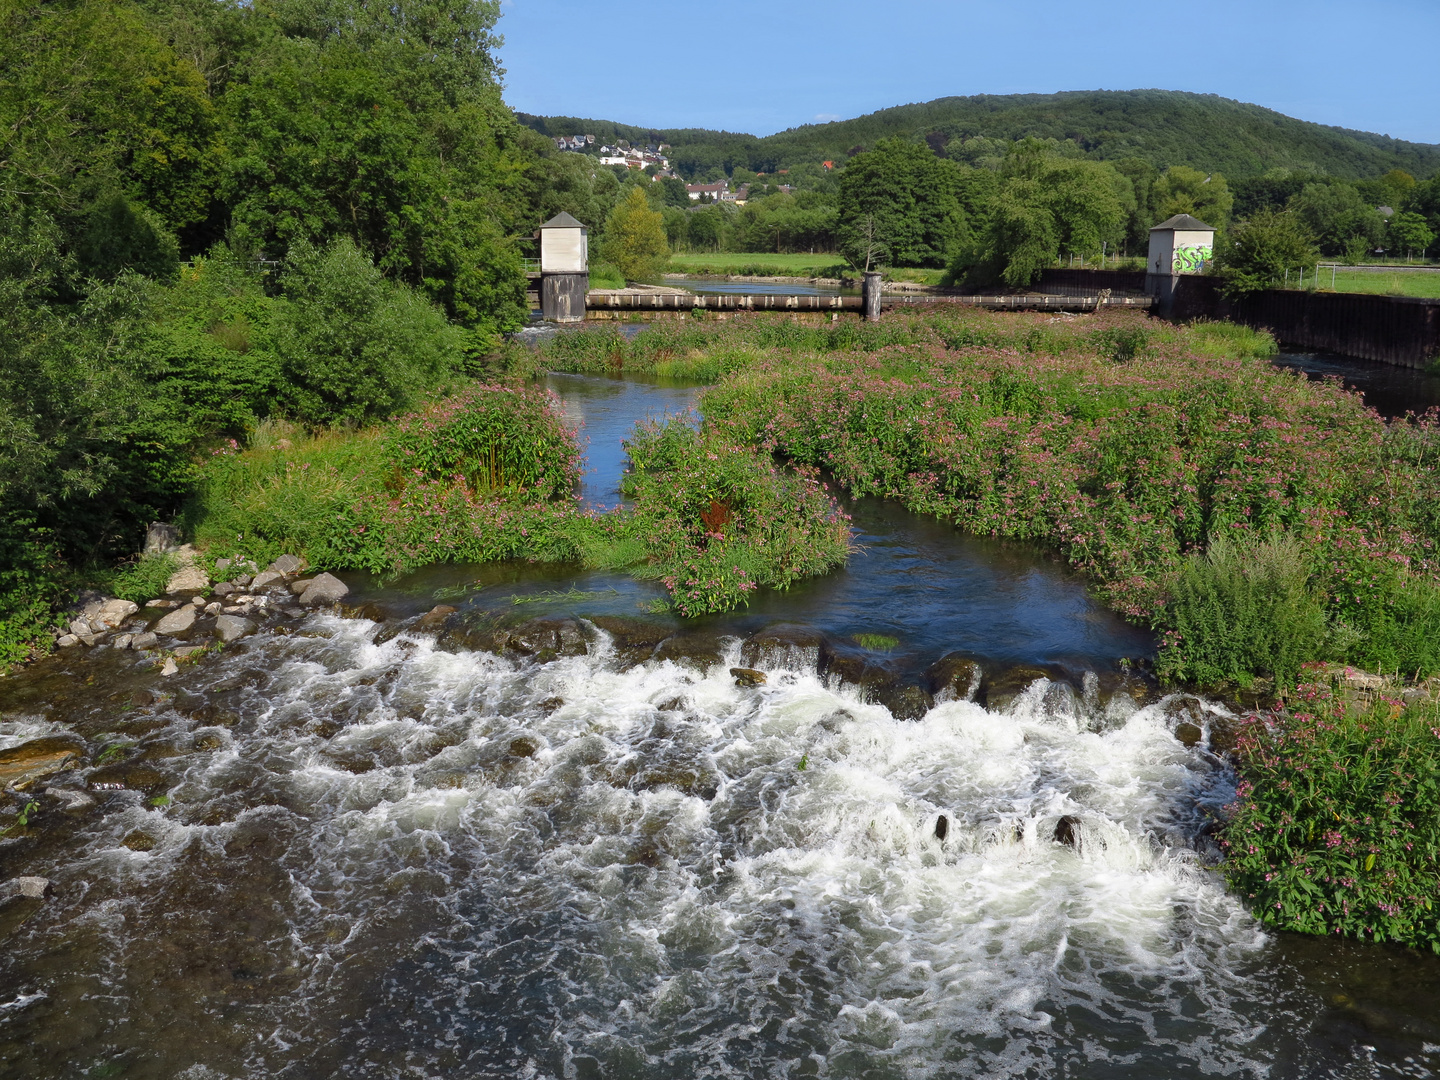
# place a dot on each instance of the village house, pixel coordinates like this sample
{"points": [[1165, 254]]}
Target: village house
{"points": [[574, 142], [708, 192]]}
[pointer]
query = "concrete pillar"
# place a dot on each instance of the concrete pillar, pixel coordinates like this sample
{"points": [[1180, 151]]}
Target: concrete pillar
{"points": [[870, 296], [562, 296]]}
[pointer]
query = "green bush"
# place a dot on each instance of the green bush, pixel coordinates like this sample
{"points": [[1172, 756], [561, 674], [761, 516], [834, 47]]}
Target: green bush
{"points": [[354, 345], [720, 520], [499, 440], [143, 580], [1242, 608], [712, 520], [1336, 825]]}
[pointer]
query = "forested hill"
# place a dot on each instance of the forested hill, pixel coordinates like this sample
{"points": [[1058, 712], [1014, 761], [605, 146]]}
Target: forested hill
{"points": [[1163, 127]]}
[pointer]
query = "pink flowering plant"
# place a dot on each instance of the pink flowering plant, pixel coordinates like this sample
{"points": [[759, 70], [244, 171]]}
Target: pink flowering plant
{"points": [[1133, 451], [721, 519], [1335, 827]]}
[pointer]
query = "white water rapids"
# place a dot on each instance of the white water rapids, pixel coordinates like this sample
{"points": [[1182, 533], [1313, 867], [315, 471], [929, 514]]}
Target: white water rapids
{"points": [[577, 870]]}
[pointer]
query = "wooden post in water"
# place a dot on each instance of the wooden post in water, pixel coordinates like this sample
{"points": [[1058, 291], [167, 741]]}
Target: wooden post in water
{"points": [[870, 296]]}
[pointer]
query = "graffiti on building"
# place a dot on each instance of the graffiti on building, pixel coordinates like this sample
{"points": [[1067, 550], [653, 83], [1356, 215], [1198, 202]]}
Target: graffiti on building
{"points": [[1190, 259]]}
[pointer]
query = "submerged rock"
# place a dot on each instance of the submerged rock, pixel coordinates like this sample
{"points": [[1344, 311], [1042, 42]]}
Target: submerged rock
{"points": [[548, 637], [635, 639], [954, 677], [999, 690], [878, 683], [431, 620], [21, 766], [692, 648], [745, 676], [1068, 831], [784, 645]]}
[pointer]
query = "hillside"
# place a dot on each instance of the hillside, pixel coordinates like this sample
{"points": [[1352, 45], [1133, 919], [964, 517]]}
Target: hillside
{"points": [[1163, 127]]}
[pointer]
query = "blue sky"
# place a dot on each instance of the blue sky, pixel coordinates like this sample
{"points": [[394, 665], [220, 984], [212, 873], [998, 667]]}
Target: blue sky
{"points": [[765, 65]]}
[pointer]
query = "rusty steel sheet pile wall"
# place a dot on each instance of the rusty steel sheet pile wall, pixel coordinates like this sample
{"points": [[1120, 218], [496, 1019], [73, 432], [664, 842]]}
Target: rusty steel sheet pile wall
{"points": [[1398, 330]]}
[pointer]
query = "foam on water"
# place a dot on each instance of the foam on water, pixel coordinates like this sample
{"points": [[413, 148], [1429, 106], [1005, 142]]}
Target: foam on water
{"points": [[444, 864]]}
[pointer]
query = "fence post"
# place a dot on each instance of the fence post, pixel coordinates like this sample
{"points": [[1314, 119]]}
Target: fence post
{"points": [[870, 296]]}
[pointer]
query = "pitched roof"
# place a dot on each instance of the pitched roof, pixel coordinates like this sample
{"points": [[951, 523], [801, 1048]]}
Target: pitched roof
{"points": [[1184, 223], [562, 220]]}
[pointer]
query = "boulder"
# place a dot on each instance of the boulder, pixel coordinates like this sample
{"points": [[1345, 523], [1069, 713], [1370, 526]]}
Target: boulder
{"points": [[178, 621], [188, 579], [324, 589], [299, 585], [198, 601], [114, 612], [167, 604], [267, 579], [31, 888], [122, 641], [187, 650], [144, 641], [170, 667], [21, 766], [745, 676], [233, 627], [224, 588], [64, 641], [287, 565], [80, 627]]}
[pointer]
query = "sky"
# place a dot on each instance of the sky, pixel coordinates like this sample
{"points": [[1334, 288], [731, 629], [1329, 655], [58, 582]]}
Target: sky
{"points": [[761, 66]]}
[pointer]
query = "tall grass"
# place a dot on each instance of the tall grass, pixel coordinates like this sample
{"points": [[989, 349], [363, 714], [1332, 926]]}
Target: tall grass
{"points": [[1241, 608]]}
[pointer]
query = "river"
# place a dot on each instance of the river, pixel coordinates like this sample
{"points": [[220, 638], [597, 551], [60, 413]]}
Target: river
{"points": [[387, 855]]}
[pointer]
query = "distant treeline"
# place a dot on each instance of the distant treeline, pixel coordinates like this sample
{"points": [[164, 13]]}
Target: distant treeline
{"points": [[1160, 127]]}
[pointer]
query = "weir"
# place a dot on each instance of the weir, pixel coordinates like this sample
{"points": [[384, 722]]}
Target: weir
{"points": [[646, 301]]}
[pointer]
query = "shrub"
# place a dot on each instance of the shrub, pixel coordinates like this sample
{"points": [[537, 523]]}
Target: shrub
{"points": [[1336, 825], [1242, 608], [500, 440], [354, 345], [719, 519]]}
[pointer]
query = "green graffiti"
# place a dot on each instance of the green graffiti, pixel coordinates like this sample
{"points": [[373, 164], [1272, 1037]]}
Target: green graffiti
{"points": [[1190, 260]]}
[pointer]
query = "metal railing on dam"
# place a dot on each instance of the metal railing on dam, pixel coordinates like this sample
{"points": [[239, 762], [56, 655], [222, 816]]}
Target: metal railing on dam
{"points": [[646, 301]]}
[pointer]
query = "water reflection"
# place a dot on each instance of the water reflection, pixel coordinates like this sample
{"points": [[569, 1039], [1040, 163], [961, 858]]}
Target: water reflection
{"points": [[1389, 390]]}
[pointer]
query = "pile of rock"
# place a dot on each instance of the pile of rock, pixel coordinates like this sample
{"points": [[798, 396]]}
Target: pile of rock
{"points": [[194, 613]]}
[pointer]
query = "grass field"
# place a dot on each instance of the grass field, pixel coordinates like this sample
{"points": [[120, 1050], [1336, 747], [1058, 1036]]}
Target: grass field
{"points": [[759, 264], [1414, 283]]}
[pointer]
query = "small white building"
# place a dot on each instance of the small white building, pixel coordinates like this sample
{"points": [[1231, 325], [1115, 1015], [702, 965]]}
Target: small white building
{"points": [[1180, 245], [564, 246]]}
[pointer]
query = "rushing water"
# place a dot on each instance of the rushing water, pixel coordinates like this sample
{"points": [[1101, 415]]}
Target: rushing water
{"points": [[390, 855]]}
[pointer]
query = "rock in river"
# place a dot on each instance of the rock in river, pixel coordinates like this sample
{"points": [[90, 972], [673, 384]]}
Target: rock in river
{"points": [[22, 765], [178, 621], [324, 589], [233, 627]]}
